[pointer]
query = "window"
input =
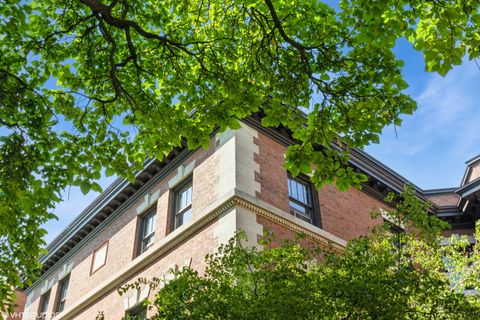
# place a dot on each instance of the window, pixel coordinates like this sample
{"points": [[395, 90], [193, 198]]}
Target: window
{"points": [[147, 231], [43, 306], [62, 294], [393, 227], [137, 313], [99, 257], [301, 200], [392, 224], [182, 205]]}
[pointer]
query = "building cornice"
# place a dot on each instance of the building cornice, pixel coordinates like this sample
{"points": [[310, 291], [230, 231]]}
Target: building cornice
{"points": [[469, 188], [382, 178], [116, 198], [471, 161], [469, 164], [104, 210], [439, 191]]}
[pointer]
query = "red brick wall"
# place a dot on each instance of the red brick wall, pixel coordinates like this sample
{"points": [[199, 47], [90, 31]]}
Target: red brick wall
{"points": [[19, 306], [194, 248], [444, 199], [347, 214], [272, 176], [122, 233], [344, 214]]}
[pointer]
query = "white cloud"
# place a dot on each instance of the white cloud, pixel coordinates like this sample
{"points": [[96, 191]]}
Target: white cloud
{"points": [[442, 134], [448, 113]]}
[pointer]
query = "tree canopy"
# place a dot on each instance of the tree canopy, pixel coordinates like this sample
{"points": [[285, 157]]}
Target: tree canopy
{"points": [[92, 85], [385, 276]]}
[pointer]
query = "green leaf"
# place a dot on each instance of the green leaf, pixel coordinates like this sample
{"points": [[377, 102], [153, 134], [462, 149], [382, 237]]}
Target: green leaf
{"points": [[85, 187], [109, 172]]}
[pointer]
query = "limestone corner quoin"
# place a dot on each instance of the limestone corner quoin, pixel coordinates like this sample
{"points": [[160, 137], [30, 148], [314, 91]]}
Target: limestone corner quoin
{"points": [[133, 230]]}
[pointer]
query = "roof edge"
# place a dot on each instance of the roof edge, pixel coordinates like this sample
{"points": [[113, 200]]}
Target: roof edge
{"points": [[439, 191], [473, 160]]}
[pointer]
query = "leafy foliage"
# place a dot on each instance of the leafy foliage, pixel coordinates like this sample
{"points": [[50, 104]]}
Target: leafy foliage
{"points": [[385, 276], [91, 85]]}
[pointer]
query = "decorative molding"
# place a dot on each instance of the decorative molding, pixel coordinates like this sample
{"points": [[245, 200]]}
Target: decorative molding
{"points": [[439, 191], [136, 297], [174, 239], [179, 236], [55, 245], [289, 224], [182, 172], [469, 188]]}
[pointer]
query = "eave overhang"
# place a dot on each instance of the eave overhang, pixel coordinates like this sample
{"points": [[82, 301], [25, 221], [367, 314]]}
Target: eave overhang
{"points": [[382, 180], [469, 189], [100, 209]]}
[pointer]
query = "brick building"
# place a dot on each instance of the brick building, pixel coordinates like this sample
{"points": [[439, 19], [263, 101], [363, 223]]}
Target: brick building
{"points": [[183, 207]]}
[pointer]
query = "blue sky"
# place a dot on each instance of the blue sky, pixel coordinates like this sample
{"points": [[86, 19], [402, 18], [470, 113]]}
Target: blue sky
{"points": [[432, 145], [429, 149]]}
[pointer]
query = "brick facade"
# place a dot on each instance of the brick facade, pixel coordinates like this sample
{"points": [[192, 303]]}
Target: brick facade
{"points": [[239, 183], [21, 299]]}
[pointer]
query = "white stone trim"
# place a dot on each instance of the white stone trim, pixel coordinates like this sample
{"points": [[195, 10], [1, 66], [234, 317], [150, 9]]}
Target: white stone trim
{"points": [[182, 172], [184, 232], [136, 297], [245, 164]]}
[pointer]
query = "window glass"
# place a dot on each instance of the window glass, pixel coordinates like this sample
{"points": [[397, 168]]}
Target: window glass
{"points": [[299, 191], [300, 199], [43, 307], [138, 313], [182, 209], [147, 236], [62, 294]]}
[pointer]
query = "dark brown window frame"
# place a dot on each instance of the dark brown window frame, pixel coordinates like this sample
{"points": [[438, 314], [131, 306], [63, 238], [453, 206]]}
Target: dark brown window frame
{"points": [[93, 257], [41, 312], [174, 213], [393, 227], [312, 193], [58, 296], [140, 227], [140, 308]]}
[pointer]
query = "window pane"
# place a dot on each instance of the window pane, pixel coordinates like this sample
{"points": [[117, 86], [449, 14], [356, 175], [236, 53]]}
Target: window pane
{"points": [[183, 217], [149, 224], [45, 302], [42, 310], [185, 198], [148, 242], [187, 215], [63, 294], [300, 199], [61, 306], [182, 207], [299, 191], [61, 298], [139, 313], [147, 237], [298, 207], [292, 189]]}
